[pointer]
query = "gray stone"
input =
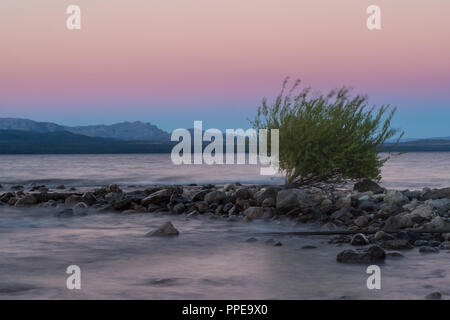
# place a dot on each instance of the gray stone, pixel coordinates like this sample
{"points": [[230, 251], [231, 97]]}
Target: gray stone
{"points": [[426, 249], [166, 229], [215, 197], [373, 254], [395, 197], [257, 212], [368, 185], [157, 197], [361, 221], [434, 296], [27, 200], [396, 244], [359, 240]]}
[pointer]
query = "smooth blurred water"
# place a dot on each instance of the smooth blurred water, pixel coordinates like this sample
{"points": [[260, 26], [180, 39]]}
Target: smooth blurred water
{"points": [[411, 170], [210, 259]]}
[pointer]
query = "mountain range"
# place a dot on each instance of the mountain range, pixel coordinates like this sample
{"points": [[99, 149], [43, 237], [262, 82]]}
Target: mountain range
{"points": [[23, 136], [129, 131]]}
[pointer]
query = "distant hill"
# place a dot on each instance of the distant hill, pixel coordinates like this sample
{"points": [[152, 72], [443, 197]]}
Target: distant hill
{"points": [[64, 142], [125, 130], [424, 145]]}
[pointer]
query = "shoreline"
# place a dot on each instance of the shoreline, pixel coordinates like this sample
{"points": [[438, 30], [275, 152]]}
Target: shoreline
{"points": [[368, 207]]}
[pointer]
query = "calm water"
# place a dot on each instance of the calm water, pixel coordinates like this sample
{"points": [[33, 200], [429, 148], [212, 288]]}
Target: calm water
{"points": [[209, 260], [411, 170]]}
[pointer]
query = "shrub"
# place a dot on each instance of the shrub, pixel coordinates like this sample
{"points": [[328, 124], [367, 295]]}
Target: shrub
{"points": [[325, 138]]}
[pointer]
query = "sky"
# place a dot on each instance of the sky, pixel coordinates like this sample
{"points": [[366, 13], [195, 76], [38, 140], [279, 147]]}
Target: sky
{"points": [[173, 62]]}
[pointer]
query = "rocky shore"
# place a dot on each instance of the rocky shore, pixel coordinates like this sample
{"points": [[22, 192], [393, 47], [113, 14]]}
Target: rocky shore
{"points": [[379, 222]]}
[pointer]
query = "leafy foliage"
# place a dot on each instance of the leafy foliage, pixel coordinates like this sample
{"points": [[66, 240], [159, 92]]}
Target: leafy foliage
{"points": [[327, 137]]}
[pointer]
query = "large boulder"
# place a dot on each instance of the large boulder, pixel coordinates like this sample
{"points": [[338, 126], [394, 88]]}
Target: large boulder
{"points": [[437, 194], [27, 200], [166, 229], [267, 193], [424, 211], [438, 223], [215, 197], [292, 198], [368, 185], [373, 254], [398, 222], [157, 197]]}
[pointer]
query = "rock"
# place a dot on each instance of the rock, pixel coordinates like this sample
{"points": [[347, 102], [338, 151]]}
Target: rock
{"points": [[359, 240], [368, 185], [398, 222], [434, 296], [436, 194], [396, 244], [343, 202], [373, 254], [60, 187], [215, 197], [267, 193], [439, 204], [257, 212], [361, 221], [381, 235], [179, 208], [65, 213], [344, 214], [394, 255], [72, 200], [395, 197], [251, 240], [424, 211], [445, 245], [426, 249], [438, 223], [166, 229], [202, 206], [88, 198], [292, 198], [6, 197], [199, 196], [80, 209], [278, 244], [366, 205], [27, 200], [157, 197], [268, 202], [243, 194], [420, 243]]}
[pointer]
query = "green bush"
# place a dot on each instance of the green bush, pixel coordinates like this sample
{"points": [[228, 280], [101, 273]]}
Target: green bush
{"points": [[325, 138]]}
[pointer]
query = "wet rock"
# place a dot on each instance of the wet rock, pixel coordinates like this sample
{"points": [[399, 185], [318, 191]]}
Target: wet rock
{"points": [[292, 198], [359, 240], [199, 196], [434, 296], [65, 213], [436, 194], [179, 208], [72, 200], [268, 202], [27, 200], [420, 243], [395, 197], [80, 209], [394, 255], [445, 245], [251, 240], [202, 206], [368, 185], [215, 197], [6, 197], [243, 194], [381, 235], [424, 211], [17, 187], [367, 206], [373, 254], [361, 221], [343, 202], [438, 223], [157, 197], [396, 244], [278, 244], [257, 212], [267, 193], [88, 198], [166, 229], [426, 249], [60, 187], [398, 222]]}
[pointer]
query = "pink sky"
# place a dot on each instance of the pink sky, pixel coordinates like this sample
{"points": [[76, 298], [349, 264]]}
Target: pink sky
{"points": [[188, 55]]}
